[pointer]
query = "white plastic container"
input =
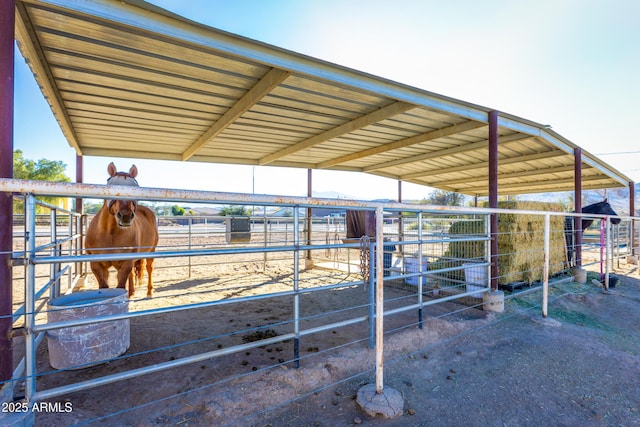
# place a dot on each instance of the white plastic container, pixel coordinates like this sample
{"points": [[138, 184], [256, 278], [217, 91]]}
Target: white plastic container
{"points": [[79, 347], [475, 277], [411, 266]]}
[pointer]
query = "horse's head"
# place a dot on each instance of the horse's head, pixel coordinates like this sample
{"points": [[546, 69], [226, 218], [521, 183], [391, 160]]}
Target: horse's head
{"points": [[602, 208], [123, 210]]}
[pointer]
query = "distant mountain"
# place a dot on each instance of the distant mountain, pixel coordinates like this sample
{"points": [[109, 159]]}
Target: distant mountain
{"points": [[618, 198], [333, 195]]}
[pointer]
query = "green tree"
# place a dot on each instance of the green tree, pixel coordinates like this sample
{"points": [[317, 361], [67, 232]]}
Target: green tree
{"points": [[177, 210], [443, 198], [92, 207], [234, 211], [42, 170]]}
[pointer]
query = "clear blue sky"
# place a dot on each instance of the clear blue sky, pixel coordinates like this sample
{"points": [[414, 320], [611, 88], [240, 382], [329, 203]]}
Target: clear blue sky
{"points": [[572, 64]]}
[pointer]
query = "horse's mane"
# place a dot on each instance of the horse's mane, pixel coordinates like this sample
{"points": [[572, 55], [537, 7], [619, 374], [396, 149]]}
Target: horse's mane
{"points": [[594, 207]]}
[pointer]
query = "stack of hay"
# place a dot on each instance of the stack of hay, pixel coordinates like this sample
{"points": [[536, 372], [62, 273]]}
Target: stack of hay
{"points": [[520, 243]]}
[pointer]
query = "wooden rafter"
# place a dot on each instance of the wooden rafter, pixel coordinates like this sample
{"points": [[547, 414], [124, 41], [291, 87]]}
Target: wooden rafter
{"points": [[427, 136], [465, 148], [507, 188], [519, 174], [483, 165], [362, 121], [265, 85]]}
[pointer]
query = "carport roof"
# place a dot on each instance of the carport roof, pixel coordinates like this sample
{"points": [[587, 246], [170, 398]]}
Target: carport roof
{"points": [[128, 79]]}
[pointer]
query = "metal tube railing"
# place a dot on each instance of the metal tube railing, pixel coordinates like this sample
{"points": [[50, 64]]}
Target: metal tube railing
{"points": [[34, 332], [30, 306]]}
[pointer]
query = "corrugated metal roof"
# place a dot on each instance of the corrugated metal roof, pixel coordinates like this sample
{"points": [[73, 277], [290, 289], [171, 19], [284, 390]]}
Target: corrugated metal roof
{"points": [[128, 79]]}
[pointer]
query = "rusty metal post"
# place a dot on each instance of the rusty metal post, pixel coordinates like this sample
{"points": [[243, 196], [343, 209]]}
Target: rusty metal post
{"points": [[400, 218], [309, 260], [493, 194], [632, 212], [79, 179], [577, 177], [79, 267], [7, 26]]}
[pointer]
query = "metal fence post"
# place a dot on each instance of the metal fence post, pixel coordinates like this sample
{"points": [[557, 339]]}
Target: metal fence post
{"points": [[379, 300], [545, 267], [296, 287], [608, 253], [420, 278], [190, 222], [29, 297], [372, 297], [56, 250]]}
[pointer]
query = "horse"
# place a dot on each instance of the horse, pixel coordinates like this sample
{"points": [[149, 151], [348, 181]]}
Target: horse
{"points": [[122, 226], [600, 208]]}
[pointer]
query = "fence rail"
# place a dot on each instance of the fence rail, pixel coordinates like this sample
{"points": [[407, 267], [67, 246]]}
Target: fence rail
{"points": [[422, 253]]}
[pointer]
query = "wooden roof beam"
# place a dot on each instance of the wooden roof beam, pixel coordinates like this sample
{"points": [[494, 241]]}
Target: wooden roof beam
{"points": [[561, 184], [423, 137], [474, 146], [483, 165], [519, 174], [265, 85], [362, 121]]}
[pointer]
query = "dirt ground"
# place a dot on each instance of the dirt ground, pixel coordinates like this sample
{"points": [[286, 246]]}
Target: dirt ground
{"points": [[580, 366]]}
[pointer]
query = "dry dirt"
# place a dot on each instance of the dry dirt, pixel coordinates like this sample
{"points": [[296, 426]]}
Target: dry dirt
{"points": [[581, 366]]}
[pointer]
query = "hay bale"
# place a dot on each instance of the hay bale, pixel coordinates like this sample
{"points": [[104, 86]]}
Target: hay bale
{"points": [[520, 243], [460, 252]]}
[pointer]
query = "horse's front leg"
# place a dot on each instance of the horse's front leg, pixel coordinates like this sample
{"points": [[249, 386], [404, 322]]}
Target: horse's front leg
{"points": [[132, 283], [101, 272], [149, 274], [125, 274]]}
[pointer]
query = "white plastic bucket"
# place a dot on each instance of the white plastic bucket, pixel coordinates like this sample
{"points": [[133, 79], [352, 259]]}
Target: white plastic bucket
{"points": [[475, 277], [411, 266], [78, 347]]}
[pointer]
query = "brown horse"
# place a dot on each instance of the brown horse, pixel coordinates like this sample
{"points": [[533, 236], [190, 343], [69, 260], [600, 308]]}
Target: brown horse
{"points": [[122, 226]]}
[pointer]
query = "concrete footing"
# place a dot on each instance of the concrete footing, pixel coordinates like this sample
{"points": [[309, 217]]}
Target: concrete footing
{"points": [[388, 404], [493, 301]]}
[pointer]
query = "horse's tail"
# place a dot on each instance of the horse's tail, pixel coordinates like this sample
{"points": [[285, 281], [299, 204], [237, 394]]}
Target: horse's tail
{"points": [[570, 241]]}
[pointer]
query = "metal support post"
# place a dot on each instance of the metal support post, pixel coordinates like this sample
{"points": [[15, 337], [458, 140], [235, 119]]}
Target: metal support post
{"points": [[7, 24], [420, 278], [545, 271], [29, 297], [379, 300], [296, 287], [493, 195]]}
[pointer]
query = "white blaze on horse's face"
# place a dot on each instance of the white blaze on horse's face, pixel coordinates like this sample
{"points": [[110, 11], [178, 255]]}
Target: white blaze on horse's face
{"points": [[124, 211]]}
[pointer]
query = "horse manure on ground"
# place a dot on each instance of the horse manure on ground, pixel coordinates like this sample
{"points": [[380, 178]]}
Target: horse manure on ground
{"points": [[260, 335]]}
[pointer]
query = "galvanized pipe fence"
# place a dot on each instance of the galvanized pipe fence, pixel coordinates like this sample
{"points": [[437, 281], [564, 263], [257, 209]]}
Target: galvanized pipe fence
{"points": [[419, 238]]}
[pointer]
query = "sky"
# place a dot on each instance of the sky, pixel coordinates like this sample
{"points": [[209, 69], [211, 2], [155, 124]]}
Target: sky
{"points": [[571, 64]]}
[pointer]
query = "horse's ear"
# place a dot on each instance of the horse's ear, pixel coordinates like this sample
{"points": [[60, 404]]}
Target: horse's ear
{"points": [[606, 200], [133, 171], [112, 169]]}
